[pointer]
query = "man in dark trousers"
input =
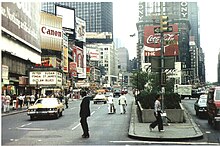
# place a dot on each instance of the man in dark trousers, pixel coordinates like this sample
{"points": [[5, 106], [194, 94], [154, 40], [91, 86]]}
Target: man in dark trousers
{"points": [[157, 114], [84, 114]]}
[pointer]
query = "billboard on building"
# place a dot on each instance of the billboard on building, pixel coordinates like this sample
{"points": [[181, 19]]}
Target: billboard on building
{"points": [[141, 11], [98, 35], [73, 69], [94, 54], [51, 32], [17, 20], [65, 59], [152, 45], [80, 59], [78, 56], [45, 78], [184, 10], [68, 15], [80, 29]]}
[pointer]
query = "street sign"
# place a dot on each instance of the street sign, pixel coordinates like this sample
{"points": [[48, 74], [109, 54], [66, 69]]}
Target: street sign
{"points": [[157, 30], [169, 29]]}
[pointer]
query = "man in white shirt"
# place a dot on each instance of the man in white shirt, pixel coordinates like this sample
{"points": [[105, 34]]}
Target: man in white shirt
{"points": [[111, 108], [122, 103]]}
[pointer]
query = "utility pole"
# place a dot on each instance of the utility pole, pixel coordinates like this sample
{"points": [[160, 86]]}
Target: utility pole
{"points": [[161, 54]]}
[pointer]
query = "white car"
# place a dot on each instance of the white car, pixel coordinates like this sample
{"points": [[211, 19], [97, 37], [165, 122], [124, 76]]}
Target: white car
{"points": [[100, 98]]}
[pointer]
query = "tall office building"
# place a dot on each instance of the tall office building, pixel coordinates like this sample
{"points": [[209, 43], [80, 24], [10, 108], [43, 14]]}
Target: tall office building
{"points": [[123, 59], [98, 15]]}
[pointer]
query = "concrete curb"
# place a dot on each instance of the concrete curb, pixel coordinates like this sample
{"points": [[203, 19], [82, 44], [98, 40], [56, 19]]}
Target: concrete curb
{"points": [[174, 132]]}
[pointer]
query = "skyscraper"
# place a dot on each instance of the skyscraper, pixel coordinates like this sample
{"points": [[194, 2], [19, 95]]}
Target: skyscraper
{"points": [[98, 15]]}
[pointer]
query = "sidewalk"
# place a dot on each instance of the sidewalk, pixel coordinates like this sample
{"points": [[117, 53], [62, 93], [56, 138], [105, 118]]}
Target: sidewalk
{"points": [[14, 111], [175, 131]]}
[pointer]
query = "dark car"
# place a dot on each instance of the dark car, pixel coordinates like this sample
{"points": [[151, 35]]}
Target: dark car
{"points": [[116, 92], [200, 106]]}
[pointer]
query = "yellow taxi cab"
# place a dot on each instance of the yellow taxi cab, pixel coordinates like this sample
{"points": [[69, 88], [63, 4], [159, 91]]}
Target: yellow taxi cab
{"points": [[46, 107]]}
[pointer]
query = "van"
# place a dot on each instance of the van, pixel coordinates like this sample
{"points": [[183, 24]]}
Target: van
{"points": [[213, 107]]}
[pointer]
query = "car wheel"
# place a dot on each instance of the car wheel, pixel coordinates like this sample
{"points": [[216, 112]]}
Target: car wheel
{"points": [[196, 113], [32, 117], [105, 102], [57, 115], [61, 113], [95, 102]]}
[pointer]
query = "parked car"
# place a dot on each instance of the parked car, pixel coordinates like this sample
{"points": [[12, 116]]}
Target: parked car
{"points": [[213, 106], [100, 97], [200, 105], [46, 107]]}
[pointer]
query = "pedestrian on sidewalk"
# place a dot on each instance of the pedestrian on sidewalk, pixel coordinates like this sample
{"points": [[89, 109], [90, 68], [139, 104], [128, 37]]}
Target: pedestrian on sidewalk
{"points": [[32, 99], [21, 100], [122, 103], [157, 114], [7, 103], [14, 100], [84, 114]]}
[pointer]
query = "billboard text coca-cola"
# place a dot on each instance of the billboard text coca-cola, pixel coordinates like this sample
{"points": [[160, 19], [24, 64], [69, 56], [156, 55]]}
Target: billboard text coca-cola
{"points": [[152, 45]]}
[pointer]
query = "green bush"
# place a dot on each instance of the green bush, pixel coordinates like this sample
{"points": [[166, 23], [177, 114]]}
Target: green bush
{"points": [[171, 100]]}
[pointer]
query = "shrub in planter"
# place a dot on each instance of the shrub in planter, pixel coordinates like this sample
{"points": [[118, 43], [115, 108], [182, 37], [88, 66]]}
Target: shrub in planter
{"points": [[171, 100]]}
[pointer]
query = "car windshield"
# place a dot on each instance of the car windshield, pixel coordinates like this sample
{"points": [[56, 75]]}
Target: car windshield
{"points": [[47, 101]]}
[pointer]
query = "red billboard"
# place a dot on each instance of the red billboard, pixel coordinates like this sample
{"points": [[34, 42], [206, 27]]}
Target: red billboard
{"points": [[78, 56], [152, 46]]}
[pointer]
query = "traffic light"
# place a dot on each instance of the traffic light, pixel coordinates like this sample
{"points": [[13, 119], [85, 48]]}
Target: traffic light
{"points": [[164, 80], [164, 23]]}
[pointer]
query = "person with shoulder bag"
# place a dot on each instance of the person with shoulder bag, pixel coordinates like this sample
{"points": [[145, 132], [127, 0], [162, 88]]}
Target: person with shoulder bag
{"points": [[157, 113]]}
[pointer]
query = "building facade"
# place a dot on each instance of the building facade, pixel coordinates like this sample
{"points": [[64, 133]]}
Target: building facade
{"points": [[179, 13], [20, 45]]}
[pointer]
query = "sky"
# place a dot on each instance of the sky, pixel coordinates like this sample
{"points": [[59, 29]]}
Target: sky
{"points": [[125, 17]]}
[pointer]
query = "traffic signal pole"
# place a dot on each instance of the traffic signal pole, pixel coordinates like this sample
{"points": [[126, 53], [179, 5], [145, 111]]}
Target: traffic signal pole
{"points": [[162, 61]]}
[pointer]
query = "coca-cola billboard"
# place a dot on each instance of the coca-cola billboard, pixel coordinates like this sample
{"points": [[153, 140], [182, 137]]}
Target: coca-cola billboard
{"points": [[152, 44]]}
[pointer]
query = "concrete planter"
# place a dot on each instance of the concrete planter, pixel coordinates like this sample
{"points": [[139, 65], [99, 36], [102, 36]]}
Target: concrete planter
{"points": [[175, 115]]}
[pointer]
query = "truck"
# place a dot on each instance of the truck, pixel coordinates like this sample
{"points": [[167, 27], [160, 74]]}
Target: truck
{"points": [[184, 90]]}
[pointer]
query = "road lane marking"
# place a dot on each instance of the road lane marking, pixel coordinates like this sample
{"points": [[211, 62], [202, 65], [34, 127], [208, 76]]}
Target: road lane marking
{"points": [[92, 113], [25, 125], [80, 124], [30, 129], [165, 142], [76, 126]]}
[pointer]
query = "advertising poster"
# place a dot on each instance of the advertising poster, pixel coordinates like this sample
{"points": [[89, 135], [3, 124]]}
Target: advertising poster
{"points": [[80, 29], [152, 46]]}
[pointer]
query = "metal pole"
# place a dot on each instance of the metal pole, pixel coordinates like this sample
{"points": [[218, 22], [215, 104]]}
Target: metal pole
{"points": [[162, 59]]}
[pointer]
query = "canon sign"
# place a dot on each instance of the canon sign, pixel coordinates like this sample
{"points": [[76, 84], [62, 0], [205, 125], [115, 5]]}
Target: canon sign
{"points": [[51, 32]]}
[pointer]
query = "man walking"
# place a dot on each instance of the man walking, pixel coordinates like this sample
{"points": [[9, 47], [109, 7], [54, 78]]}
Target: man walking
{"points": [[157, 114], [84, 114], [122, 103]]}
